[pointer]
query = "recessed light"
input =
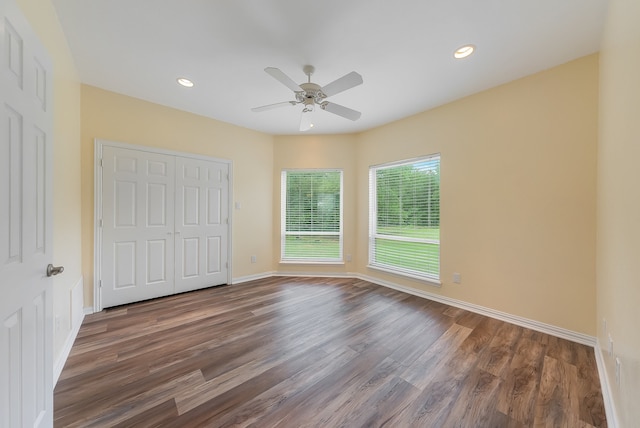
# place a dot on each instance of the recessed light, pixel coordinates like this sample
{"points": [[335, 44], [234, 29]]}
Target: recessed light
{"points": [[464, 51], [185, 82]]}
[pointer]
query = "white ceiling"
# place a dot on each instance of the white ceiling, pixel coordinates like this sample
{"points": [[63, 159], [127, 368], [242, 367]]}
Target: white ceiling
{"points": [[403, 49]]}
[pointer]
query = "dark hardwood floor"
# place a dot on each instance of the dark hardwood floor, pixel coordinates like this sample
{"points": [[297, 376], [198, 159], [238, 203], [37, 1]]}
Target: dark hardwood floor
{"points": [[318, 352]]}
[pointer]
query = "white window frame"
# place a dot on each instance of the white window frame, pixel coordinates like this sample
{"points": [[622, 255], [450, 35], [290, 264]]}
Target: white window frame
{"points": [[373, 234], [283, 221]]}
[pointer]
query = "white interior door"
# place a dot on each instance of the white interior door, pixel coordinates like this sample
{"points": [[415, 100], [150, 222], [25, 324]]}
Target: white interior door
{"points": [[26, 367], [138, 219], [202, 223]]}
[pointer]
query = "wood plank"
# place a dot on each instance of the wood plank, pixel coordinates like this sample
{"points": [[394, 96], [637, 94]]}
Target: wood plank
{"points": [[476, 401], [589, 390], [154, 417], [431, 363], [557, 403], [497, 357], [319, 352], [386, 404], [309, 404], [275, 402], [434, 404], [519, 392], [340, 412], [216, 405], [478, 340]]}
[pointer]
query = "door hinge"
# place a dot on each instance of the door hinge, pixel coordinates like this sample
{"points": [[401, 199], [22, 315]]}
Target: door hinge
{"points": [[100, 223], [100, 283], [100, 161]]}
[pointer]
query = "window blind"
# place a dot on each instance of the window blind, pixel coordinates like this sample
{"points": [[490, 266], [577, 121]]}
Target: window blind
{"points": [[311, 215], [404, 217]]}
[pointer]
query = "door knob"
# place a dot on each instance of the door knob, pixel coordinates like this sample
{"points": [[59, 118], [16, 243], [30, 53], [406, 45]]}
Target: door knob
{"points": [[54, 270]]}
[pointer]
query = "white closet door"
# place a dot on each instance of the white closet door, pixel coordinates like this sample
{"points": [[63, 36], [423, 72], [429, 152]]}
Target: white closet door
{"points": [[26, 366], [201, 223], [138, 219]]}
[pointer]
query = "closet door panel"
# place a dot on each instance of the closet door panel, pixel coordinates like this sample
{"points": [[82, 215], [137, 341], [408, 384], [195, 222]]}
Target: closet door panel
{"points": [[138, 225], [201, 223]]}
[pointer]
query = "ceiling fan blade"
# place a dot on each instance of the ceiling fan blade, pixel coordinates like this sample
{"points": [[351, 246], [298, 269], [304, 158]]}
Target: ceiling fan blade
{"points": [[272, 106], [283, 78], [345, 112], [306, 120], [347, 81]]}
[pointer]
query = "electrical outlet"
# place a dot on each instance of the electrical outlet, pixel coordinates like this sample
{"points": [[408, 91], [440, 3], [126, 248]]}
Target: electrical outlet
{"points": [[610, 346], [618, 367], [58, 323], [457, 278], [254, 259], [348, 257], [604, 325]]}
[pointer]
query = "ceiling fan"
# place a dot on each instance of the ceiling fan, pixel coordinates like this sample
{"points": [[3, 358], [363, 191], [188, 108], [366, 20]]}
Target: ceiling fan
{"points": [[310, 94]]}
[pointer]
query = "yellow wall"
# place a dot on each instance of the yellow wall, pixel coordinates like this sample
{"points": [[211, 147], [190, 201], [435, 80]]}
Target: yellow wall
{"points": [[518, 193], [113, 117], [317, 152], [518, 175], [518, 184], [518, 187], [618, 231], [66, 161]]}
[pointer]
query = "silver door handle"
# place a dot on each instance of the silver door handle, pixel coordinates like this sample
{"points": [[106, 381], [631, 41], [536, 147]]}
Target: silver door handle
{"points": [[54, 270]]}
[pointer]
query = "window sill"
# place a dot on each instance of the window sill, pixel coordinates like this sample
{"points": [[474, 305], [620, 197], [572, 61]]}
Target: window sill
{"points": [[423, 279]]}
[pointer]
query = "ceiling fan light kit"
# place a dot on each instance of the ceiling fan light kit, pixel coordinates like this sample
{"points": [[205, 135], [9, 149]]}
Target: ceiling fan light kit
{"points": [[464, 51], [185, 82], [310, 94]]}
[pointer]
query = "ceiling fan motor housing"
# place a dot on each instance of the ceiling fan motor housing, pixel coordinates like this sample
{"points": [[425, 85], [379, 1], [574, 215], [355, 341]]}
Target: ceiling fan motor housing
{"points": [[311, 91]]}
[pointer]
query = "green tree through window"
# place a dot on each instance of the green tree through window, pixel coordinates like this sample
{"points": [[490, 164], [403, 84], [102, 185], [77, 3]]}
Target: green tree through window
{"points": [[311, 215], [404, 208]]}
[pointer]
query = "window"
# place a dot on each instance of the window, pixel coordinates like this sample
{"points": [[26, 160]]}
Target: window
{"points": [[404, 218], [311, 215]]}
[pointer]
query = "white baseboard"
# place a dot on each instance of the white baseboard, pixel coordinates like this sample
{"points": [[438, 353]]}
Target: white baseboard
{"points": [[503, 316], [241, 279], [76, 316], [317, 274], [605, 386]]}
